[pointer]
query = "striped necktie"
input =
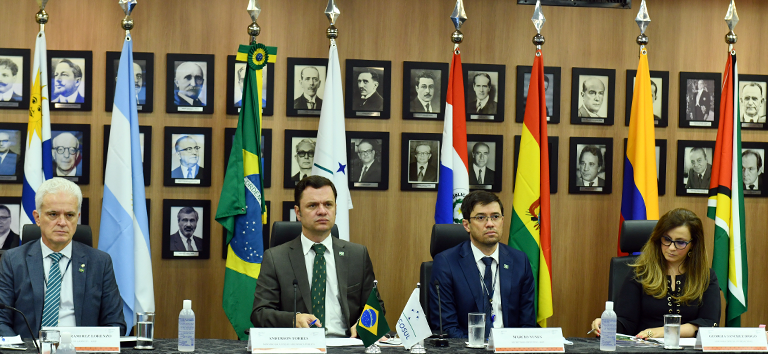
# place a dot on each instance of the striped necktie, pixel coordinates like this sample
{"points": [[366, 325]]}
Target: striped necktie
{"points": [[52, 293]]}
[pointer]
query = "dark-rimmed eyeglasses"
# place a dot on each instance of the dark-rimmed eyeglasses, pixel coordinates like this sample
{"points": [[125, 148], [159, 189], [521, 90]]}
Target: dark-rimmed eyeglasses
{"points": [[679, 244], [61, 150], [305, 154], [483, 218], [190, 149]]}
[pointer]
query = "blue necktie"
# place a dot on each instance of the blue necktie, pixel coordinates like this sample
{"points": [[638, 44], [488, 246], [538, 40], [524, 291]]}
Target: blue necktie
{"points": [[52, 293], [487, 279]]}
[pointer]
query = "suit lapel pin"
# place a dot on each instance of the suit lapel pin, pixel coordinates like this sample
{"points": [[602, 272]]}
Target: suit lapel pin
{"points": [[82, 268], [506, 266], [341, 253]]}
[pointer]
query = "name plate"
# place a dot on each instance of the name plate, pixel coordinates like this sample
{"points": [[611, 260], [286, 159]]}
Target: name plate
{"points": [[287, 340], [731, 340], [520, 340], [93, 339]]}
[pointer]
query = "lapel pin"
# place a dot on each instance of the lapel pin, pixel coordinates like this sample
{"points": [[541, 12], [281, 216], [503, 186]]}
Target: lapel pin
{"points": [[82, 268], [506, 266], [341, 253]]}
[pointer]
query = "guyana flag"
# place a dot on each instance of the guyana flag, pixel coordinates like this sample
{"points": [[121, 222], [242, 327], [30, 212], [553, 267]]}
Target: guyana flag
{"points": [[726, 201], [241, 207], [530, 231], [372, 325]]}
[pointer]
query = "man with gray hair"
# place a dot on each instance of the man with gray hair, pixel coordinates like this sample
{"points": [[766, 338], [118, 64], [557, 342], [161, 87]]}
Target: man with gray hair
{"points": [[184, 240], [189, 82], [66, 155], [305, 155], [8, 238]]}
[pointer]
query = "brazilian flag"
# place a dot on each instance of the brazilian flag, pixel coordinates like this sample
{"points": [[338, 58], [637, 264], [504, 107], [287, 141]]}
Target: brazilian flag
{"points": [[372, 324]]}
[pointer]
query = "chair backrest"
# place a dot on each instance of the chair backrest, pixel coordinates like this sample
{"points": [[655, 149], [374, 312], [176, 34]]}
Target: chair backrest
{"points": [[83, 234], [634, 234], [618, 271], [425, 274], [284, 231], [445, 236]]}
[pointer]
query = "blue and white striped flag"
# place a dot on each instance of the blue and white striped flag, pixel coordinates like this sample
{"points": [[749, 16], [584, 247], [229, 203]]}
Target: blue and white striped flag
{"points": [[124, 232]]}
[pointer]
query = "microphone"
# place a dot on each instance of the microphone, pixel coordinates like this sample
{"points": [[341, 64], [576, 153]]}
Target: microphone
{"points": [[440, 341], [295, 289], [34, 340]]}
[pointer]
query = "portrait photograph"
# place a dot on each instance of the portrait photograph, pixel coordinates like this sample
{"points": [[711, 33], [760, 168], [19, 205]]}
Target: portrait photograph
{"points": [[752, 158], [699, 100], [189, 83], [187, 153], [590, 165], [299, 155], [186, 232], [485, 154], [235, 80], [266, 152], [70, 76], [265, 232], [145, 140], [14, 78], [659, 96], [12, 145], [425, 86], [10, 209], [553, 145], [143, 79], [551, 91], [368, 159], [752, 99], [305, 88], [592, 98], [367, 89], [420, 164], [70, 145], [694, 167], [484, 87], [661, 163]]}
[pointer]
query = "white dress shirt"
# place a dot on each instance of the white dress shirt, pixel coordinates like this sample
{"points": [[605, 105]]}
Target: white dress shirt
{"points": [[364, 170], [496, 310], [67, 301], [481, 103], [2, 156], [66, 99], [426, 104], [479, 169], [334, 320], [186, 170], [310, 100], [7, 96], [189, 241], [4, 236]]}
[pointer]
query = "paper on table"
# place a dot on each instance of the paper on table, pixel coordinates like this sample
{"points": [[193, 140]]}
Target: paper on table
{"points": [[11, 340], [342, 342]]}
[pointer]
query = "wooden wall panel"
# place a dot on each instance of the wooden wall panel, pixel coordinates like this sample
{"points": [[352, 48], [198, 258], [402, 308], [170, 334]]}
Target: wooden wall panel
{"points": [[685, 35]]}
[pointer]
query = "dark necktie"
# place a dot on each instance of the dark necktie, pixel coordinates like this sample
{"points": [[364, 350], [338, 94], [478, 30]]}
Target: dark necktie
{"points": [[488, 281], [752, 186], [428, 108], [311, 105], [52, 293], [591, 184], [421, 173], [189, 245], [304, 176], [480, 177], [318, 283], [365, 169]]}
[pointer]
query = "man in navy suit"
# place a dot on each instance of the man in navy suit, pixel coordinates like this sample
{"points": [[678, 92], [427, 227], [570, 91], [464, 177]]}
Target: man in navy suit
{"points": [[183, 239], [189, 157], [9, 161], [189, 82], [87, 291], [482, 275], [67, 79], [8, 71]]}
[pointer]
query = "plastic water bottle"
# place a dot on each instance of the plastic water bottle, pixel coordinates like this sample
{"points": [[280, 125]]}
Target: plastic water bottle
{"points": [[608, 328], [187, 328], [65, 344]]}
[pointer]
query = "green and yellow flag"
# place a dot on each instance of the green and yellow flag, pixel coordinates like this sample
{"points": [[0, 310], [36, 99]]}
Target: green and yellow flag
{"points": [[372, 325]]}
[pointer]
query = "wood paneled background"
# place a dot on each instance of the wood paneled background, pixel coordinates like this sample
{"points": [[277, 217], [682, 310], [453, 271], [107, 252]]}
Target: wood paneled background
{"points": [[685, 35]]}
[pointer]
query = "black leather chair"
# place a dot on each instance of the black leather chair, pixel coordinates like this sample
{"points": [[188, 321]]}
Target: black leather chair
{"points": [[444, 236], [634, 234], [83, 234], [284, 231]]}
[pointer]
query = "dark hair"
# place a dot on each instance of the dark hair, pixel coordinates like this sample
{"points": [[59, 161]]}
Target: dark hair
{"points": [[425, 75], [187, 210], [656, 88], [482, 74], [756, 155], [478, 197], [594, 150], [315, 182], [301, 73], [75, 68], [369, 142], [474, 148], [374, 75], [10, 65], [6, 209], [546, 79], [699, 148]]}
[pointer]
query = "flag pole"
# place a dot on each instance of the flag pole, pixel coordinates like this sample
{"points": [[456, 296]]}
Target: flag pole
{"points": [[254, 9], [731, 18], [642, 20], [42, 17], [127, 22], [458, 17], [538, 20], [332, 13]]}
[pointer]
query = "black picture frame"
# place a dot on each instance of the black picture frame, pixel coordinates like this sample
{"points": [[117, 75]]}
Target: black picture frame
{"points": [[12, 59], [553, 145], [85, 212], [292, 169], [235, 88], [294, 92], [377, 105], [661, 164], [264, 232], [14, 206], [375, 177], [82, 97], [172, 162], [494, 161], [289, 213], [602, 145], [145, 102], [410, 142], [551, 73], [437, 73], [12, 166], [754, 169], [660, 109], [605, 114], [171, 211], [266, 152], [145, 138], [698, 186], [81, 132], [747, 86], [497, 75], [204, 102], [710, 116]]}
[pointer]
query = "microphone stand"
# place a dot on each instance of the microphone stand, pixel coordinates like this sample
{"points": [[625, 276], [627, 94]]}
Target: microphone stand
{"points": [[34, 341], [295, 289], [440, 341]]}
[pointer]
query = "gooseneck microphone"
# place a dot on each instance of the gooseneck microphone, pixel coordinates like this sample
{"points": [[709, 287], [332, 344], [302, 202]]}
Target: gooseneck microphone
{"points": [[34, 340], [295, 290], [440, 341]]}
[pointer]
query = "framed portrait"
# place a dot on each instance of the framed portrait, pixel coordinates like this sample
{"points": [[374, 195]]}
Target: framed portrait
{"points": [[143, 78], [420, 166], [367, 89], [694, 167], [187, 156], [592, 96], [186, 231], [590, 166], [485, 154], [70, 76], [10, 211], [551, 91], [13, 144], [14, 78], [752, 158], [299, 155], [368, 159], [699, 93], [553, 144], [189, 83], [289, 214], [85, 211], [661, 164], [266, 152], [145, 135], [305, 88], [752, 96], [71, 148], [484, 87], [659, 95], [425, 86], [235, 79], [265, 233]]}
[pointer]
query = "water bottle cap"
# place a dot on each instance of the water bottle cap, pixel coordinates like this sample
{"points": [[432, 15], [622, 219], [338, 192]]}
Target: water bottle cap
{"points": [[66, 338], [187, 304], [609, 305]]}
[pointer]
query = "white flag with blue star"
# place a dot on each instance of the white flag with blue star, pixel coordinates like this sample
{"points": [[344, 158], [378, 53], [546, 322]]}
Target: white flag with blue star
{"points": [[412, 327]]}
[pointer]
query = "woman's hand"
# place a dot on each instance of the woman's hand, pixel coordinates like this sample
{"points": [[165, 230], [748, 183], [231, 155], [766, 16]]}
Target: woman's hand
{"points": [[596, 325], [657, 332]]}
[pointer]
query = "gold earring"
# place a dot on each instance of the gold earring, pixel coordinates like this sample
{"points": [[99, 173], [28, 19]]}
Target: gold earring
{"points": [[689, 254]]}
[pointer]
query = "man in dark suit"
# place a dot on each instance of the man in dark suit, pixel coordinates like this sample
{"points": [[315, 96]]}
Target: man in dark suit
{"points": [[422, 170], [368, 169], [425, 94], [189, 157], [592, 95], [590, 165], [752, 102], [368, 98], [701, 170], [702, 102], [67, 160], [751, 164], [8, 71], [86, 292], [654, 90], [305, 156], [483, 102], [182, 240], [11, 239], [67, 79], [323, 266], [310, 81], [482, 275], [480, 173], [189, 82], [9, 161]]}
